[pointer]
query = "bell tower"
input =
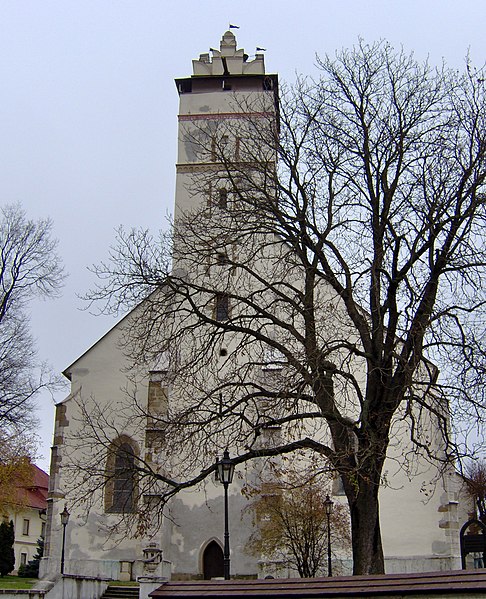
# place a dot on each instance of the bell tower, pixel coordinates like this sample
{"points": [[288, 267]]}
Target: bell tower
{"points": [[226, 87]]}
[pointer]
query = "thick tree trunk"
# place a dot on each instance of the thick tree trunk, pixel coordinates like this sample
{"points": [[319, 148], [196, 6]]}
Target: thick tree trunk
{"points": [[365, 530], [360, 458]]}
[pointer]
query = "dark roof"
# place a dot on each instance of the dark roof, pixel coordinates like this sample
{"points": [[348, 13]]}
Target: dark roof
{"points": [[450, 583]]}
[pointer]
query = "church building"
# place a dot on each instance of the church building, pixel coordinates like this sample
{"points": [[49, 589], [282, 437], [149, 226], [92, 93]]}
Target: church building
{"points": [[111, 419]]}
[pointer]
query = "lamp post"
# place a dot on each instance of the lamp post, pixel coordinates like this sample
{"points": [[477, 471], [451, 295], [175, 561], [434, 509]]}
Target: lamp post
{"points": [[225, 470], [64, 521], [329, 505]]}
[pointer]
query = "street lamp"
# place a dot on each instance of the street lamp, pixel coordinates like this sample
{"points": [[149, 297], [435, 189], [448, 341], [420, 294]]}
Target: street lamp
{"points": [[225, 470], [329, 505], [64, 520]]}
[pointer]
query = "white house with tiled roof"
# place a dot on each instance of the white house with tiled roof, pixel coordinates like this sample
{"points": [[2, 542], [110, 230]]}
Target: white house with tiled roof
{"points": [[29, 515]]}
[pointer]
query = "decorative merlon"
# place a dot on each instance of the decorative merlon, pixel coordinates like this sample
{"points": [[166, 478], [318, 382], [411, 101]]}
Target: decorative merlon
{"points": [[228, 60]]}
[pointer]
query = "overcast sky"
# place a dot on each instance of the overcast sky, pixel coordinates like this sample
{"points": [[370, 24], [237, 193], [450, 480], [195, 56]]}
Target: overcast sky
{"points": [[88, 111]]}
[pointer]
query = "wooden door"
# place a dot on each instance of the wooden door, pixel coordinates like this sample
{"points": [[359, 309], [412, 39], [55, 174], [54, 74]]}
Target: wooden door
{"points": [[213, 561]]}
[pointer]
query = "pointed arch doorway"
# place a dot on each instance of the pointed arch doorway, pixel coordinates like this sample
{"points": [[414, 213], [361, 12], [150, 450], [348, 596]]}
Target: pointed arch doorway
{"points": [[212, 561]]}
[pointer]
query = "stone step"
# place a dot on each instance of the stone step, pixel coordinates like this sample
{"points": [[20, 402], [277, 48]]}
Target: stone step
{"points": [[121, 592]]}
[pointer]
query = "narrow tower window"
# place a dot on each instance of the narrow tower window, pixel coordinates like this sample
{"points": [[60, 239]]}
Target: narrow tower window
{"points": [[222, 259], [223, 199], [222, 307]]}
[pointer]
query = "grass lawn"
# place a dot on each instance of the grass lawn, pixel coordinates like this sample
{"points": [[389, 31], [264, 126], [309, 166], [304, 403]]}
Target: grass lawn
{"points": [[14, 582]]}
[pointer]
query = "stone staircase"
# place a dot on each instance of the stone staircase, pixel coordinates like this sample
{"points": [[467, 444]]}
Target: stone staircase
{"points": [[121, 592]]}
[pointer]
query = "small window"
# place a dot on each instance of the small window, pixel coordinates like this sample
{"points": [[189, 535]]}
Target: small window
{"points": [[43, 529], [25, 527], [185, 86], [23, 559], [338, 486], [219, 148], [267, 84], [273, 359], [222, 307], [221, 259], [223, 199]]}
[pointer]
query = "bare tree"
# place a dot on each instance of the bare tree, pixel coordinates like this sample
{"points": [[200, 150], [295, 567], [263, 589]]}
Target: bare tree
{"points": [[475, 478], [336, 261], [29, 268]]}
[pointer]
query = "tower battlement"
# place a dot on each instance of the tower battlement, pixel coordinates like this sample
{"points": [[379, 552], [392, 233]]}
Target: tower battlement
{"points": [[228, 60]]}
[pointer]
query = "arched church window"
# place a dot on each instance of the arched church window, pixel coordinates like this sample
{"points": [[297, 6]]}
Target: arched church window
{"points": [[120, 493]]}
